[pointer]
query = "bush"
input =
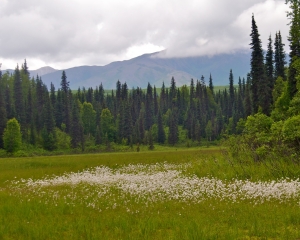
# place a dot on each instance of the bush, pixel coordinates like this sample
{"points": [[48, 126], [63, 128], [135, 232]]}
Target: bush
{"points": [[12, 137]]}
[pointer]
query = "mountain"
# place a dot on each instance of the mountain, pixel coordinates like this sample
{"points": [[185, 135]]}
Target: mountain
{"points": [[137, 72], [42, 71], [33, 73]]}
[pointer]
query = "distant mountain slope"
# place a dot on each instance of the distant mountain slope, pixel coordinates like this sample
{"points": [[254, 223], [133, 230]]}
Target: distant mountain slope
{"points": [[42, 71], [137, 72], [33, 73]]}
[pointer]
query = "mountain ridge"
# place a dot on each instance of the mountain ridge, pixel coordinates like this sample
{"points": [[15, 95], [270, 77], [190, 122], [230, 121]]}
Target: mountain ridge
{"points": [[147, 68]]}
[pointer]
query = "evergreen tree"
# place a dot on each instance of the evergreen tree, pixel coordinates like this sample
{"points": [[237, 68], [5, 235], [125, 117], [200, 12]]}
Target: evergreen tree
{"points": [[161, 136], [279, 57], [270, 70], [248, 100], [211, 86], [141, 124], [149, 108], [98, 137], [231, 93], [172, 93], [65, 92], [48, 132], [260, 87], [18, 97], [3, 116], [270, 63], [173, 128], [294, 36], [155, 102], [77, 137], [58, 109], [163, 99]]}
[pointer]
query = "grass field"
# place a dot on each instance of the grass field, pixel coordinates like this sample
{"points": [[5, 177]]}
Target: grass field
{"points": [[172, 194]]}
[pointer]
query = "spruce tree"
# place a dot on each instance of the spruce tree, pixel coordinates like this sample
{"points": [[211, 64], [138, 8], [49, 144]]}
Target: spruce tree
{"points": [[77, 137], [270, 69], [260, 87], [3, 116], [211, 86], [279, 57], [173, 127], [294, 36], [248, 99], [18, 97], [161, 136], [270, 63], [231, 93], [66, 102], [149, 108]]}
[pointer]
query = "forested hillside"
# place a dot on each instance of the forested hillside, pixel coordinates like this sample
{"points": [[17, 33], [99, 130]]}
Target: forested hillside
{"points": [[264, 109]]}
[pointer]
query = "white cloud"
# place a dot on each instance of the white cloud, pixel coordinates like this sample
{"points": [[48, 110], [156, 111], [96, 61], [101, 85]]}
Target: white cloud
{"points": [[89, 32]]}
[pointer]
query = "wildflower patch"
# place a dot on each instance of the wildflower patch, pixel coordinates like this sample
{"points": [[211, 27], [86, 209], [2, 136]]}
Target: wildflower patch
{"points": [[108, 188]]}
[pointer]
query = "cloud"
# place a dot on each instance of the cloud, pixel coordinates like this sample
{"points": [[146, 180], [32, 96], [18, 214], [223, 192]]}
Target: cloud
{"points": [[88, 32]]}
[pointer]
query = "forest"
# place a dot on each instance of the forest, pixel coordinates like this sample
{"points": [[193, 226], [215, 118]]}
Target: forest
{"points": [[258, 115]]}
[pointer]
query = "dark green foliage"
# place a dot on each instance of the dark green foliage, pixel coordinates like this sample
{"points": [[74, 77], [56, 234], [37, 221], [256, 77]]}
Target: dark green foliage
{"points": [[18, 96], [279, 57], [270, 64], [294, 16], [161, 135], [98, 137], [211, 86], [65, 102], [173, 127], [49, 140], [257, 66], [259, 84], [77, 137], [149, 108], [3, 116]]}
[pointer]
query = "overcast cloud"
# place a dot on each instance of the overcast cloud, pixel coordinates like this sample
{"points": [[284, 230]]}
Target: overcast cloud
{"points": [[69, 33]]}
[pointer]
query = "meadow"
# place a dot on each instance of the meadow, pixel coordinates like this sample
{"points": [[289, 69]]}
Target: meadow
{"points": [[196, 193]]}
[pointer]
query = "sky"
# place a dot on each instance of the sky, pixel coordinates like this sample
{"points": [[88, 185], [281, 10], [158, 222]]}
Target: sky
{"points": [[69, 33]]}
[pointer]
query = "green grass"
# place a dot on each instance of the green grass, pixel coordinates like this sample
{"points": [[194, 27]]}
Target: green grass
{"points": [[24, 217]]}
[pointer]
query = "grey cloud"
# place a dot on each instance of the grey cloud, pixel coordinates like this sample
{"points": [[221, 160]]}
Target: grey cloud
{"points": [[67, 33]]}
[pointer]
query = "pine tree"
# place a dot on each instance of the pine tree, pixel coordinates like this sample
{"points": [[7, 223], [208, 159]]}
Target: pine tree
{"points": [[173, 128], [18, 97], [25, 69], [270, 71], [3, 116], [270, 63], [294, 36], [149, 108], [248, 99], [77, 137], [98, 137], [155, 102], [163, 99], [172, 93], [161, 136], [48, 133], [279, 57], [259, 87], [66, 102], [211, 86], [231, 93]]}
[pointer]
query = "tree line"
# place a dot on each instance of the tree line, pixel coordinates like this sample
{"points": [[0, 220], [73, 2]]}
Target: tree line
{"points": [[62, 118]]}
